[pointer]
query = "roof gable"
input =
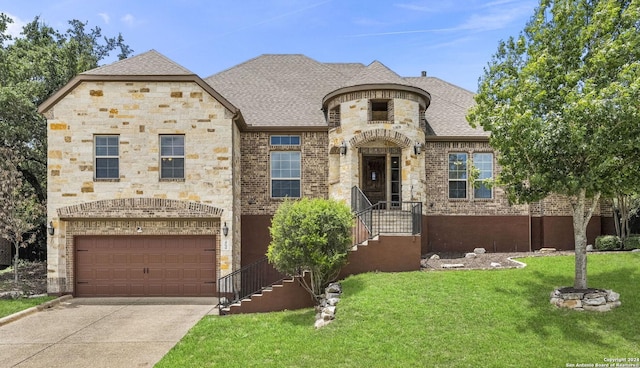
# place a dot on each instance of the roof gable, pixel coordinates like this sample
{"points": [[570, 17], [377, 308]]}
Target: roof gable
{"points": [[375, 73], [148, 63]]}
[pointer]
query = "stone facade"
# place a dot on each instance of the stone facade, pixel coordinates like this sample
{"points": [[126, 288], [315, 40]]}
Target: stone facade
{"points": [[360, 130], [138, 113]]}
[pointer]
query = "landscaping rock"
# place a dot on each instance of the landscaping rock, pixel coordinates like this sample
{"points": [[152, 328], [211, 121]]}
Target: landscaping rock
{"points": [[435, 257], [591, 300], [635, 250], [326, 310], [594, 301], [548, 250], [589, 247], [470, 255], [452, 265], [612, 296], [479, 251], [495, 264], [13, 294], [334, 288]]}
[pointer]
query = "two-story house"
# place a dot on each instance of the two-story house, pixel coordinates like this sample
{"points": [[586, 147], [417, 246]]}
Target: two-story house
{"points": [[160, 182]]}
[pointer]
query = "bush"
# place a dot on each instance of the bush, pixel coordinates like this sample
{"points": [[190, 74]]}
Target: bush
{"points": [[608, 242], [632, 242], [311, 235]]}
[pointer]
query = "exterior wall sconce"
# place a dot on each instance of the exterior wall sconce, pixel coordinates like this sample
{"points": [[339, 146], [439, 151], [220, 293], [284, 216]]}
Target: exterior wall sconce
{"points": [[50, 229], [343, 148], [225, 229], [417, 148]]}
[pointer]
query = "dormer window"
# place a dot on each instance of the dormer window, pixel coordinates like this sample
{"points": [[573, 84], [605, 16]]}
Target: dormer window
{"points": [[381, 110]]}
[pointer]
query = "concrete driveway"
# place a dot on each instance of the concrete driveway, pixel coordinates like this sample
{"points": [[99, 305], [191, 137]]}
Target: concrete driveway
{"points": [[101, 332]]}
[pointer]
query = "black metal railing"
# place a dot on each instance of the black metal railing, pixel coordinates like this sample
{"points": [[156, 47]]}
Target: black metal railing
{"points": [[248, 280], [384, 217], [359, 201]]}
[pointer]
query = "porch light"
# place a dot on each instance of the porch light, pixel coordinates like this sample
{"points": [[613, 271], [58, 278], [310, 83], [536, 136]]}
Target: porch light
{"points": [[225, 230], [50, 229], [417, 148], [343, 148]]}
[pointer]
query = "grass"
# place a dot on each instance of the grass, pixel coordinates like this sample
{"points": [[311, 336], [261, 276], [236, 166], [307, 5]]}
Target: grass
{"points": [[496, 318], [8, 307]]}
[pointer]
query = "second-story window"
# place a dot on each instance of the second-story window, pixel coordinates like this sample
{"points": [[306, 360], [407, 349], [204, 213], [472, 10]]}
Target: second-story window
{"points": [[172, 157], [107, 157], [380, 110]]}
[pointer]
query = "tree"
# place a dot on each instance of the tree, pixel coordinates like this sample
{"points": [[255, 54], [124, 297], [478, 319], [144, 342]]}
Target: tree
{"points": [[20, 209], [311, 235], [32, 68], [561, 104]]}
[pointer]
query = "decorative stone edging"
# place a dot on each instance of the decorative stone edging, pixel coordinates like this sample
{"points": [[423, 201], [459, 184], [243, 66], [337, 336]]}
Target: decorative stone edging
{"points": [[326, 311], [597, 300]]}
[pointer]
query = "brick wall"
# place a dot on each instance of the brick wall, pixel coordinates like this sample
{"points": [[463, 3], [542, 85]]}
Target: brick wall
{"points": [[437, 200], [255, 161]]}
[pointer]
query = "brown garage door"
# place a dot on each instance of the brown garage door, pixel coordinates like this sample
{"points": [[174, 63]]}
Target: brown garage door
{"points": [[145, 265]]}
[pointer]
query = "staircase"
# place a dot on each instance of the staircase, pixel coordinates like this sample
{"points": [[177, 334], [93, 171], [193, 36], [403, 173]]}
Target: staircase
{"points": [[386, 238]]}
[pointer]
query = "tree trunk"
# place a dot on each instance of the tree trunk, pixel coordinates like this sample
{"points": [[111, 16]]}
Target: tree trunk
{"points": [[15, 264], [581, 217]]}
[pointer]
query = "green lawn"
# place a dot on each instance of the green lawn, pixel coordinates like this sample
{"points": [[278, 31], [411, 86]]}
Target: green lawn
{"points": [[8, 307], [495, 318]]}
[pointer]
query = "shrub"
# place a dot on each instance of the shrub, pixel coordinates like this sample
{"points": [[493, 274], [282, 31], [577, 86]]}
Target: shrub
{"points": [[608, 242], [632, 242], [312, 235]]}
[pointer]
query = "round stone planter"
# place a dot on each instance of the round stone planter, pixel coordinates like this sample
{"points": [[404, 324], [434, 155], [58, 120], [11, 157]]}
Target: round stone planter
{"points": [[598, 300]]}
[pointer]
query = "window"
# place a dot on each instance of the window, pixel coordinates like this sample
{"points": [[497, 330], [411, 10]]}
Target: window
{"points": [[107, 157], [457, 175], [285, 140], [381, 110], [172, 157], [285, 174], [334, 117], [483, 162]]}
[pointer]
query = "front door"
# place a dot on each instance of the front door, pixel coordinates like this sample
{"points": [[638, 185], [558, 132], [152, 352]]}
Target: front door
{"points": [[374, 178]]}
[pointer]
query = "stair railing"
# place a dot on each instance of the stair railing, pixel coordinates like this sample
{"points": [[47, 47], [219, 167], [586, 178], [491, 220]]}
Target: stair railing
{"points": [[248, 280]]}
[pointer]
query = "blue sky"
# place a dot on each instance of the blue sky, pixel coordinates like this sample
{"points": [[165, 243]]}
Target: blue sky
{"points": [[451, 40]]}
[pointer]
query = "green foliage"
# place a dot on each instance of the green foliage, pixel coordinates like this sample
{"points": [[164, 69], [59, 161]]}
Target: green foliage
{"points": [[560, 103], [632, 242], [33, 66], [312, 235], [560, 100], [608, 242]]}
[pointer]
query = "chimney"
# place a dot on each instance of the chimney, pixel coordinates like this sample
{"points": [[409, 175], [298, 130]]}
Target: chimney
{"points": [[424, 73]]}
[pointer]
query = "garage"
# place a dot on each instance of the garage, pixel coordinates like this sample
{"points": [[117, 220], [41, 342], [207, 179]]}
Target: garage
{"points": [[145, 266]]}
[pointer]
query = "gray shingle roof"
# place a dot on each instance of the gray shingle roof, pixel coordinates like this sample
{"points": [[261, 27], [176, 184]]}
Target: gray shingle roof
{"points": [[148, 63], [287, 90], [446, 116], [375, 73], [280, 90]]}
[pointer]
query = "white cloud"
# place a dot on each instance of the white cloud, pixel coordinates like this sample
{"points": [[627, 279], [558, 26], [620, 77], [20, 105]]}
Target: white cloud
{"points": [[14, 29], [105, 17], [128, 19], [497, 17], [428, 6]]}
